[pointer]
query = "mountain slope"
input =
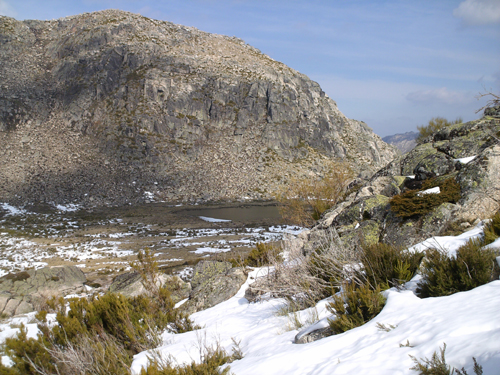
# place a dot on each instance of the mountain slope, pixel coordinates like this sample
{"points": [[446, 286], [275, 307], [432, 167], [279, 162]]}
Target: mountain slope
{"points": [[403, 142], [112, 107]]}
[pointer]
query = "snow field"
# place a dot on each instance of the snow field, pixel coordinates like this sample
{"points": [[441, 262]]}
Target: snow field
{"points": [[468, 322]]}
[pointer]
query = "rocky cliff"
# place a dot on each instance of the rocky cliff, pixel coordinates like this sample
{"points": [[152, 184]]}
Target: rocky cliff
{"points": [[112, 107], [461, 158]]}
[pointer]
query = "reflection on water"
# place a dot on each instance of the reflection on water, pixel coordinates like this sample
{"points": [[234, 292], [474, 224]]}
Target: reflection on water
{"points": [[246, 213]]}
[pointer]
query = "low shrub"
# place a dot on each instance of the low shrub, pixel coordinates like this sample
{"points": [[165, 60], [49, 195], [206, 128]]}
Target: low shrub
{"points": [[443, 275], [414, 203], [354, 307], [492, 229], [437, 365], [262, 255], [434, 124], [106, 330], [210, 365], [387, 265]]}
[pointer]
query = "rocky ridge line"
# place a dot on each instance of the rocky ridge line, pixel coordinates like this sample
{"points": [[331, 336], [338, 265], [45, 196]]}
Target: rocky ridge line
{"points": [[113, 108]]}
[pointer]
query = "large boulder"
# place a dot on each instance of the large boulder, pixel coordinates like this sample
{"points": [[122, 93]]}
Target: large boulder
{"points": [[213, 282], [25, 291], [130, 284]]}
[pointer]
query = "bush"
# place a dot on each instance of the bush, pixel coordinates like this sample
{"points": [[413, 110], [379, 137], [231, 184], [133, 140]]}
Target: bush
{"points": [[98, 329], [443, 275], [437, 365], [209, 366], [434, 124], [354, 307], [303, 201], [413, 203], [492, 229], [263, 254], [388, 265]]}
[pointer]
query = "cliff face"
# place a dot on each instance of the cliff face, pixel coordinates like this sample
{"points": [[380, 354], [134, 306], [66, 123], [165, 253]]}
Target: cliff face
{"points": [[112, 107]]}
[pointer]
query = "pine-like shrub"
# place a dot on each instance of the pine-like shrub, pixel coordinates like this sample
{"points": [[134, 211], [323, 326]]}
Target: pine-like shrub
{"points": [[209, 366], [492, 229], [437, 365], [387, 265], [435, 124], [262, 255], [414, 203], [443, 275], [110, 327], [354, 307]]}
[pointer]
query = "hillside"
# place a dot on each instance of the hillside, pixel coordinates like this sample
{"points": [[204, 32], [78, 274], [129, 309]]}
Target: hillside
{"points": [[113, 108], [403, 142]]}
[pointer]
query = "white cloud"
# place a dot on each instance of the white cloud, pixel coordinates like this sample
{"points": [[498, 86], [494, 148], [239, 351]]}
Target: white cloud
{"points": [[6, 9], [478, 12], [441, 95]]}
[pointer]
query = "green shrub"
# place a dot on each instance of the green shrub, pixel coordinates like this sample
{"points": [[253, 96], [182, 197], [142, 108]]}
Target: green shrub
{"points": [[434, 124], [413, 203], [437, 365], [209, 366], [387, 265], [107, 326], [262, 255], [492, 229], [434, 366], [354, 307], [443, 275]]}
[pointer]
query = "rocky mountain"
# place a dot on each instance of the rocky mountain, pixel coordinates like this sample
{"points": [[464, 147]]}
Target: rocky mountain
{"points": [[113, 108], [403, 142], [462, 164]]}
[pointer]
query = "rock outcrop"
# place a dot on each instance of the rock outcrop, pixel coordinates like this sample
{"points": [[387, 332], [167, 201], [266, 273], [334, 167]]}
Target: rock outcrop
{"points": [[212, 283], [26, 291], [130, 284], [468, 153], [112, 108]]}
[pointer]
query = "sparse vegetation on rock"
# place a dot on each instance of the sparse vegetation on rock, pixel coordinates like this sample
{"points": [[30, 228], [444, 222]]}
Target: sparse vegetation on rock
{"points": [[435, 124]]}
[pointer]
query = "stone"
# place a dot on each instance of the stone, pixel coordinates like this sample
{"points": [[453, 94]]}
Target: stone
{"points": [[22, 292], [130, 284], [212, 283]]}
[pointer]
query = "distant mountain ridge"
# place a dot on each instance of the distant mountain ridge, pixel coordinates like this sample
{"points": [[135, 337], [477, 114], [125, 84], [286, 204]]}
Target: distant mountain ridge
{"points": [[403, 142], [115, 108]]}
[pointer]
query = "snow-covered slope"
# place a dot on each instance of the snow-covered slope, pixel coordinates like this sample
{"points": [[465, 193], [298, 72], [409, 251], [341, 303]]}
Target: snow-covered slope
{"points": [[468, 322]]}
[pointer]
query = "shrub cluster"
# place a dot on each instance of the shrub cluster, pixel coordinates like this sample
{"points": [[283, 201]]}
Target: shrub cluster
{"points": [[98, 335], [387, 265], [208, 366], [437, 365], [414, 203], [355, 306], [434, 124], [471, 267], [262, 254]]}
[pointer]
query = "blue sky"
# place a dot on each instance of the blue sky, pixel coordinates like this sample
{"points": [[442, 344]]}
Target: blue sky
{"points": [[391, 63]]}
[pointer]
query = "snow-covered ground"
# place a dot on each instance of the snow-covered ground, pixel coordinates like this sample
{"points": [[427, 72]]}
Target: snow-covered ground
{"points": [[468, 322]]}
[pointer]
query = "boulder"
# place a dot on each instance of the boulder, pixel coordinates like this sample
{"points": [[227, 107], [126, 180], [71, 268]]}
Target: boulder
{"points": [[130, 284], [23, 292], [213, 282]]}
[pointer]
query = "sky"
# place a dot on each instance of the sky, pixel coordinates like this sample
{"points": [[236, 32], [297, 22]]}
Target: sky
{"points": [[393, 64]]}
